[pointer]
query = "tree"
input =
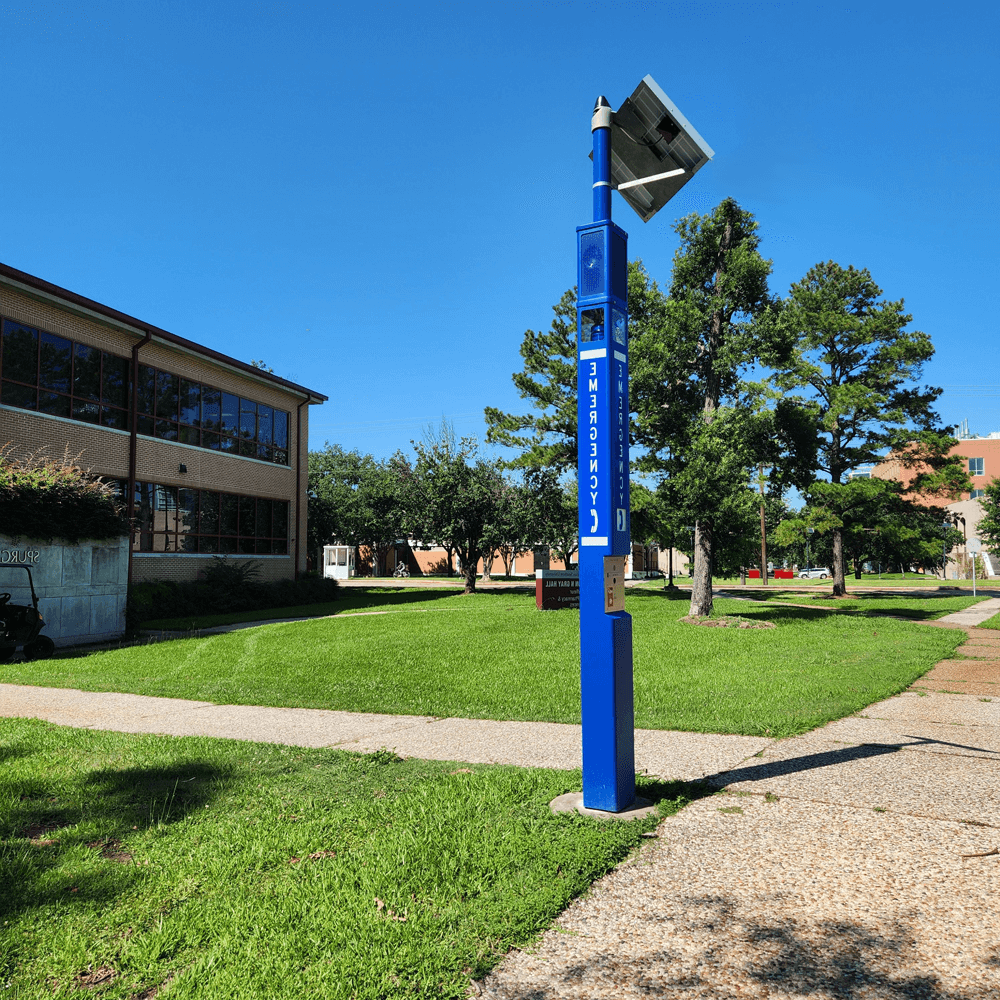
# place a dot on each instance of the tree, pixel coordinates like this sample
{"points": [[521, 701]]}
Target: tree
{"points": [[877, 520], [546, 439], [989, 523], [562, 530], [736, 543], [334, 476], [526, 512], [382, 511], [849, 351], [688, 373], [454, 499], [357, 500], [655, 519]]}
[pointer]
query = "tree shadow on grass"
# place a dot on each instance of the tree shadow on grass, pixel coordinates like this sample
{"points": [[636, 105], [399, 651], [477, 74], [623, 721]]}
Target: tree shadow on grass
{"points": [[42, 831], [771, 613], [374, 599]]}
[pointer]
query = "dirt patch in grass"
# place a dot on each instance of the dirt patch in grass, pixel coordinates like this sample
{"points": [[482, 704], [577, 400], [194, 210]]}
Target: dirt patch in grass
{"points": [[725, 621], [92, 978], [35, 832], [112, 850]]}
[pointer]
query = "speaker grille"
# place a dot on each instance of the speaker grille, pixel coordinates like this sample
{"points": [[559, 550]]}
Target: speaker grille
{"points": [[592, 263]]}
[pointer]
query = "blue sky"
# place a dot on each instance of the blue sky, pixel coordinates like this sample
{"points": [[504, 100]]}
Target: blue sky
{"points": [[379, 199]]}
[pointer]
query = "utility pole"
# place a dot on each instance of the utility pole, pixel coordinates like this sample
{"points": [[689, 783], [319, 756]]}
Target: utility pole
{"points": [[763, 530]]}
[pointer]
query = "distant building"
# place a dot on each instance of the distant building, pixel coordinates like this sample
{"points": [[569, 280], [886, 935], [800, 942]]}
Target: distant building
{"points": [[982, 460]]}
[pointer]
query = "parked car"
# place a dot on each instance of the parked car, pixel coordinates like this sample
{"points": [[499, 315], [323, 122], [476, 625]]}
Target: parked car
{"points": [[816, 573]]}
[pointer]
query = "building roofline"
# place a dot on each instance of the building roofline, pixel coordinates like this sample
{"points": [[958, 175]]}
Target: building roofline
{"points": [[45, 290]]}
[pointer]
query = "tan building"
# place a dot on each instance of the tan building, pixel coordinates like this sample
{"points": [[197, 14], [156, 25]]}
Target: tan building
{"points": [[211, 451]]}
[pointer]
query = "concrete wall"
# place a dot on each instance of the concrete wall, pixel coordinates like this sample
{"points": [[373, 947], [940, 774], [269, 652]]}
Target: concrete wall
{"points": [[81, 588]]}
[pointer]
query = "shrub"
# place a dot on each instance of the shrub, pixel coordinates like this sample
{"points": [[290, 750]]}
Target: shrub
{"points": [[49, 498], [227, 586]]}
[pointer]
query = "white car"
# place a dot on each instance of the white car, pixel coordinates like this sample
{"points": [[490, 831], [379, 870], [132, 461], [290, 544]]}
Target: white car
{"points": [[816, 573]]}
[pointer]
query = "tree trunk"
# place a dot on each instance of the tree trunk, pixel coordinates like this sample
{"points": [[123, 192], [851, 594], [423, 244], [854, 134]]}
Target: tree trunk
{"points": [[451, 566], [701, 582], [507, 557], [487, 565], [839, 581], [701, 579], [670, 566], [469, 570]]}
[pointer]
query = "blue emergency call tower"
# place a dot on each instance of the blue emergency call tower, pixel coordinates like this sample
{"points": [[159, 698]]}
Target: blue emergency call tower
{"points": [[647, 151]]}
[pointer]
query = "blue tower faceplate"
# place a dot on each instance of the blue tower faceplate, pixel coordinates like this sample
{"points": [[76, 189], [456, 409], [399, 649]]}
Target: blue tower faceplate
{"points": [[603, 477], [593, 274]]}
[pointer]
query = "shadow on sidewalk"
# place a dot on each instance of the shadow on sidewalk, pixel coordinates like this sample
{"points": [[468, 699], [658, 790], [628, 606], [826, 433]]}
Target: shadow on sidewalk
{"points": [[847, 960], [826, 758]]}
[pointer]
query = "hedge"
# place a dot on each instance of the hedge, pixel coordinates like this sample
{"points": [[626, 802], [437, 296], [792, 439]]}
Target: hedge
{"points": [[55, 498], [227, 586]]}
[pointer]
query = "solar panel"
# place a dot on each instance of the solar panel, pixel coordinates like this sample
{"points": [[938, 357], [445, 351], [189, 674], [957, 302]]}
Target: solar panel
{"points": [[655, 150]]}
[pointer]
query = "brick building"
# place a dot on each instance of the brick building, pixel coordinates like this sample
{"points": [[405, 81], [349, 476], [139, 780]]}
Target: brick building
{"points": [[981, 457], [212, 450]]}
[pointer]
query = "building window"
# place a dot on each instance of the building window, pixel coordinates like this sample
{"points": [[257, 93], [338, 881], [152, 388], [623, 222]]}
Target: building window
{"points": [[976, 494], [976, 467], [177, 409], [177, 519], [40, 371]]}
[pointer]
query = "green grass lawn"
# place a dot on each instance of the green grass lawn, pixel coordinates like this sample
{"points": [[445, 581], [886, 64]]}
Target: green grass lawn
{"points": [[228, 869], [376, 596], [916, 608], [350, 599], [492, 655], [893, 580]]}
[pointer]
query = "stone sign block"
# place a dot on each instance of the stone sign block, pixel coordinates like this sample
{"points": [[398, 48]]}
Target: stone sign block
{"points": [[81, 588]]}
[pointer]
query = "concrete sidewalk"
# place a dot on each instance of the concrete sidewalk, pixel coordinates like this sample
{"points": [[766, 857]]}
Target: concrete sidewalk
{"points": [[525, 744], [973, 616]]}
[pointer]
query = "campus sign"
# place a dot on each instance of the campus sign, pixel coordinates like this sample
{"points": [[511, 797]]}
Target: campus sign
{"points": [[556, 589]]}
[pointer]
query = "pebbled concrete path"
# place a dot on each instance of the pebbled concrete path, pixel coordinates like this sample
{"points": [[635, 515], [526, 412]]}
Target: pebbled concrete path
{"points": [[861, 860], [974, 615]]}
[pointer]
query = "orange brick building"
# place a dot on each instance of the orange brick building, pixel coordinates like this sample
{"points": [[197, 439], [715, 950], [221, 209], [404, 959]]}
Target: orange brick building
{"points": [[212, 451], [982, 461]]}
